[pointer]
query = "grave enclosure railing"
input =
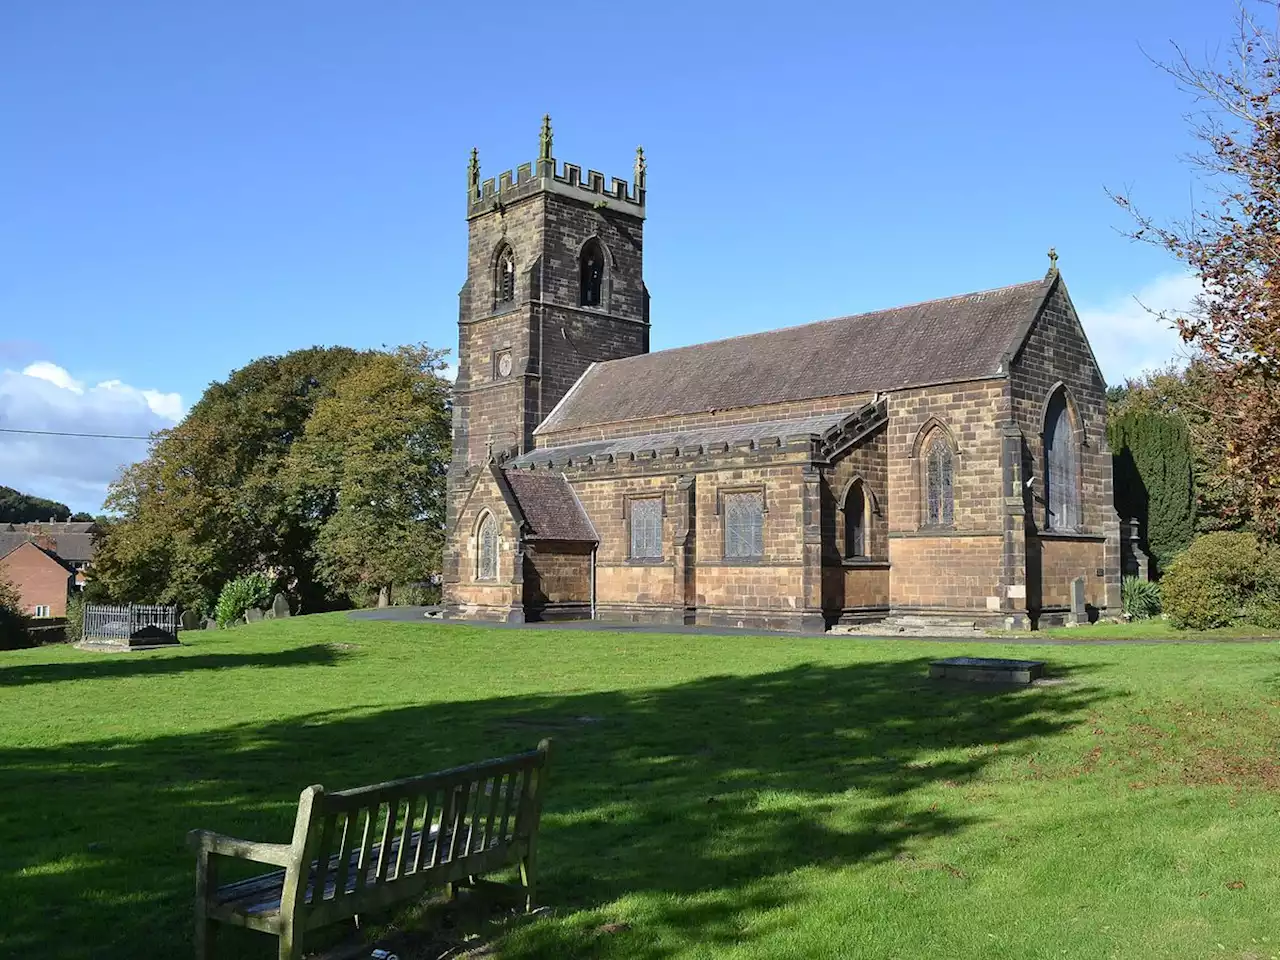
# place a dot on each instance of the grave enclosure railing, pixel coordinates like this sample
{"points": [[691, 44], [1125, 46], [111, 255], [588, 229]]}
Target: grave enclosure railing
{"points": [[106, 622]]}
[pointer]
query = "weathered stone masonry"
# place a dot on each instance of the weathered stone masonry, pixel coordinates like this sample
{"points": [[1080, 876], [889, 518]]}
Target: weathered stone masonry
{"points": [[850, 435]]}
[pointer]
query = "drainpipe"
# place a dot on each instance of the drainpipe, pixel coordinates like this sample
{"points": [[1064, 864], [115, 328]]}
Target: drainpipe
{"points": [[594, 548]]}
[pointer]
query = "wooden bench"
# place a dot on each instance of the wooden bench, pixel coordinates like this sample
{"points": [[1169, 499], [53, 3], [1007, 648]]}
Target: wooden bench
{"points": [[372, 847]]}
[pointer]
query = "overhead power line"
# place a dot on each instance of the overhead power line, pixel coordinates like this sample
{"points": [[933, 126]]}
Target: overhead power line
{"points": [[64, 433]]}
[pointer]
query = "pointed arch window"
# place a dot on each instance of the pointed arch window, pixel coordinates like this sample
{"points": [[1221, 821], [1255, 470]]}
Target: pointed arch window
{"points": [[1061, 469], [591, 274], [939, 483], [855, 521], [487, 549], [504, 278]]}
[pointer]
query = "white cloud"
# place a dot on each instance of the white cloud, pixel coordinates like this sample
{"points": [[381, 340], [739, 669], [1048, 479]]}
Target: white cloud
{"points": [[74, 470], [1128, 335]]}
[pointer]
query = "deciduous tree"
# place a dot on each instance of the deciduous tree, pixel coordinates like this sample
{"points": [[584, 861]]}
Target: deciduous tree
{"points": [[369, 473], [1232, 242]]}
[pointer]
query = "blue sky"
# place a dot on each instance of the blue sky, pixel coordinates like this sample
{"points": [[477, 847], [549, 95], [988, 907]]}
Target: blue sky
{"points": [[187, 186]]}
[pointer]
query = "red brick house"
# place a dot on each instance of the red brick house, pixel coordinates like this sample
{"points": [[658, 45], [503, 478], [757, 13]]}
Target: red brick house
{"points": [[44, 582]]}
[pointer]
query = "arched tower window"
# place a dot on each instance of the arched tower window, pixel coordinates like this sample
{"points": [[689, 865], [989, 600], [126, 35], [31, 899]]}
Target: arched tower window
{"points": [[504, 277], [1061, 469], [487, 549], [855, 521], [591, 273], [939, 477]]}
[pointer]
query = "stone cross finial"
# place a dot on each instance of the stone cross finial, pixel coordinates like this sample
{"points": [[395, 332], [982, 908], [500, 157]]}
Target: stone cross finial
{"points": [[641, 168], [544, 139], [1053, 260], [473, 173]]}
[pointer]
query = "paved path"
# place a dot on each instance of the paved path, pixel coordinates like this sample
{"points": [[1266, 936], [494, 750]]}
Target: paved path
{"points": [[419, 615]]}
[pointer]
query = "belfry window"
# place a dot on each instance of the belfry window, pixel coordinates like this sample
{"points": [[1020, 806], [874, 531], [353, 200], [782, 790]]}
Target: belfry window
{"points": [[1061, 473], [939, 493], [487, 549], [504, 281], [591, 273]]}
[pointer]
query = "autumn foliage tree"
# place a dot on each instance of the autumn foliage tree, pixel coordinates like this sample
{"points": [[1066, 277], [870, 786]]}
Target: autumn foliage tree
{"points": [[1232, 242]]}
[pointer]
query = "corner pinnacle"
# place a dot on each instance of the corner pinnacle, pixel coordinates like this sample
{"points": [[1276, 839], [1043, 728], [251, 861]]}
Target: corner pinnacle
{"points": [[544, 139], [641, 168], [473, 173]]}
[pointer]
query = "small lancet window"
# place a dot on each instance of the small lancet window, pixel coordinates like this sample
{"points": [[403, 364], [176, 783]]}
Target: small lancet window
{"points": [[591, 273], [855, 521], [505, 276], [940, 497], [487, 549], [1062, 479]]}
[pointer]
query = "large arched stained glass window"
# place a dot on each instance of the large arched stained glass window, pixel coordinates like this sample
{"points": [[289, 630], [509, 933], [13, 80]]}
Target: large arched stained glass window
{"points": [[939, 476], [487, 549], [1061, 472]]}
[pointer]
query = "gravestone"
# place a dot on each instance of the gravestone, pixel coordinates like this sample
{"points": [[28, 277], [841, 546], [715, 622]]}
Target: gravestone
{"points": [[280, 606], [210, 623], [1079, 614], [189, 620], [253, 615], [987, 670]]}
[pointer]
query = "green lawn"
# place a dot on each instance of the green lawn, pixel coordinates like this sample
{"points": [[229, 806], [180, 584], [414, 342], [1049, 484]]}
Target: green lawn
{"points": [[1154, 629], [722, 796]]}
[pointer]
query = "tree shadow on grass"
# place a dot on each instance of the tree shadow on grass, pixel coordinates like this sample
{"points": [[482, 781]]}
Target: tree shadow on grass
{"points": [[689, 795], [149, 663]]}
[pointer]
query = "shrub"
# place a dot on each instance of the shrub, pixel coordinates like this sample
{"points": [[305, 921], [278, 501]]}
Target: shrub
{"points": [[1210, 583], [75, 619], [239, 595], [13, 624], [1141, 598]]}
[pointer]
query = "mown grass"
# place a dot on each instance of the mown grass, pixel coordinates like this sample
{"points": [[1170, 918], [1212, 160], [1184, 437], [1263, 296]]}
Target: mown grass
{"points": [[1155, 628], [744, 797]]}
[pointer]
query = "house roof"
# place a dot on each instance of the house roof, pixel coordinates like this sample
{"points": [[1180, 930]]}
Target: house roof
{"points": [[550, 507], [685, 441], [12, 542], [958, 338], [68, 547]]}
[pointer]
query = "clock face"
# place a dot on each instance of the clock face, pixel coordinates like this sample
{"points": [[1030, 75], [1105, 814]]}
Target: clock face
{"points": [[504, 365]]}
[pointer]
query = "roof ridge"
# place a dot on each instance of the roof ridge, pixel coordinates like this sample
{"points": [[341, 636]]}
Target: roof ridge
{"points": [[796, 326]]}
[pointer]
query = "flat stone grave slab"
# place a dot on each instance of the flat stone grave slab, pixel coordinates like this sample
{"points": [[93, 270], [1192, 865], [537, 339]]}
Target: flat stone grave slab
{"points": [[987, 670]]}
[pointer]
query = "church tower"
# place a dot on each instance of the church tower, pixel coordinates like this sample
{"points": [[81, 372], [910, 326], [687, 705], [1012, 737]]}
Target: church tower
{"points": [[554, 284]]}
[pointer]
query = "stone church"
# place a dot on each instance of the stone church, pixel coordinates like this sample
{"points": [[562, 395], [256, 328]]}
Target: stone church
{"points": [[943, 458]]}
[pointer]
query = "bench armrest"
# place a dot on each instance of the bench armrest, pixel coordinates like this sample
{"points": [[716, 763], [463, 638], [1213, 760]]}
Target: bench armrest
{"points": [[276, 854]]}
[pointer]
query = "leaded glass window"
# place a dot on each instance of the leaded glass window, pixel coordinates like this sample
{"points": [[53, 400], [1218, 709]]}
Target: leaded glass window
{"points": [[744, 525], [487, 537], [1062, 491], [940, 496], [855, 522], [646, 529], [505, 281]]}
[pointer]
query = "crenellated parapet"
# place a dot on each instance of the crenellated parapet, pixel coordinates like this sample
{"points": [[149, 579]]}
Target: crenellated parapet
{"points": [[547, 174]]}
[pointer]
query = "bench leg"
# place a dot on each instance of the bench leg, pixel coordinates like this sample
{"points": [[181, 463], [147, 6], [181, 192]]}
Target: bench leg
{"points": [[290, 945], [206, 883], [528, 880], [206, 937]]}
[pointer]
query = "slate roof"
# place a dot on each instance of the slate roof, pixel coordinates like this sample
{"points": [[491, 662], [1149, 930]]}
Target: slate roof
{"points": [[550, 507], [687, 441], [940, 341], [69, 547]]}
